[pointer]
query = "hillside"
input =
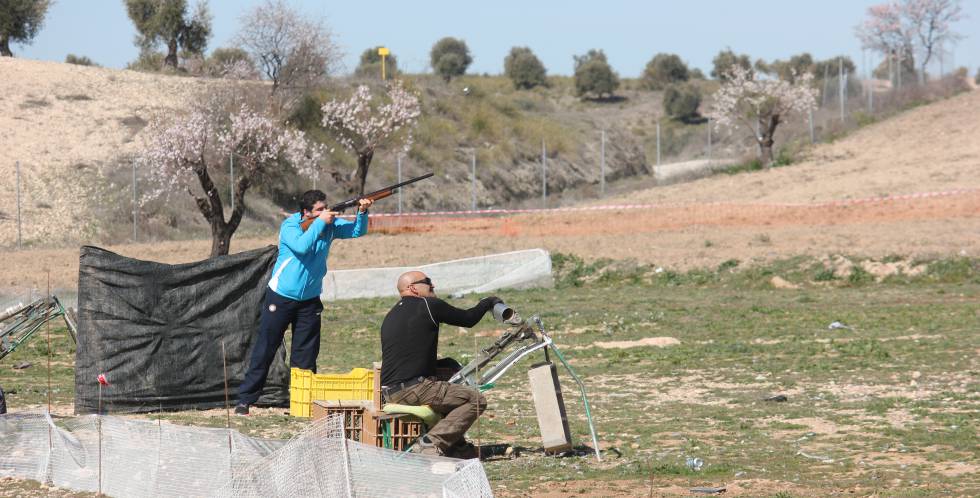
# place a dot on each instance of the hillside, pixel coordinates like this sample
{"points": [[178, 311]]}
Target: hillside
{"points": [[75, 128]]}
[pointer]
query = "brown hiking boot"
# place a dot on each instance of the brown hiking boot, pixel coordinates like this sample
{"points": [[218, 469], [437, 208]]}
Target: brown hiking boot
{"points": [[425, 446]]}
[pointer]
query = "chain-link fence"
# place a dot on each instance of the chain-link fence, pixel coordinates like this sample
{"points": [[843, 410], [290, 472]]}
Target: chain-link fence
{"points": [[653, 150]]}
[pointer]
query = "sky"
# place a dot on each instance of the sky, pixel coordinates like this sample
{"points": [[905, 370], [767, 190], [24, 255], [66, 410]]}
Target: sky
{"points": [[630, 33]]}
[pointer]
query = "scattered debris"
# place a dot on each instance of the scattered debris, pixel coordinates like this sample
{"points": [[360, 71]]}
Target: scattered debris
{"points": [[22, 365], [779, 398], [838, 325], [815, 457], [709, 490], [781, 283], [694, 463]]}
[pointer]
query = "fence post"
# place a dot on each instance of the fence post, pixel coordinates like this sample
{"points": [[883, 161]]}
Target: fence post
{"points": [[18, 205], [135, 205], [399, 161], [602, 165], [473, 181], [231, 183], [813, 138], [709, 140], [544, 176], [658, 142], [841, 83]]}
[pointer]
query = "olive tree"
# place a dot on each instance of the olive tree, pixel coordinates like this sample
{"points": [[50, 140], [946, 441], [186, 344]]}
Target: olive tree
{"points": [[20, 21], [450, 57], [724, 61], [664, 70], [594, 76], [682, 101], [168, 22], [524, 68], [744, 99]]}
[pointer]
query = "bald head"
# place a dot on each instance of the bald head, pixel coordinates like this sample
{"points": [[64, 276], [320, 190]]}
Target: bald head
{"points": [[409, 284]]}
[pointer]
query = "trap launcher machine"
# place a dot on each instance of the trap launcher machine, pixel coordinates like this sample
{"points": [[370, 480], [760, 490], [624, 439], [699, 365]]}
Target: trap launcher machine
{"points": [[529, 335]]}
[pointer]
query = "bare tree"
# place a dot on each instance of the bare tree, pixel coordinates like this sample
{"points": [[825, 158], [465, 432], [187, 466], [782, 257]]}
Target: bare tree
{"points": [[20, 20], [363, 128], [190, 146], [743, 99], [294, 52], [902, 28]]}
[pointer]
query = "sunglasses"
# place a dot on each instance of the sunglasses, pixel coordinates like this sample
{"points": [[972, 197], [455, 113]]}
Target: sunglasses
{"points": [[426, 281]]}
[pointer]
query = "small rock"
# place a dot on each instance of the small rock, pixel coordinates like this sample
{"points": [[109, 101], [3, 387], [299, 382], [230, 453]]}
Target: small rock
{"points": [[781, 283], [22, 365], [779, 398]]}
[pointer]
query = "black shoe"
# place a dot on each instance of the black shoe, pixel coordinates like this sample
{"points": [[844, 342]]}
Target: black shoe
{"points": [[241, 409]]}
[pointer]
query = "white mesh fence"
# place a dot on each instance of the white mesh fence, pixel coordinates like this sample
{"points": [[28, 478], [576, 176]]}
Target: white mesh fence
{"points": [[147, 458], [513, 270]]}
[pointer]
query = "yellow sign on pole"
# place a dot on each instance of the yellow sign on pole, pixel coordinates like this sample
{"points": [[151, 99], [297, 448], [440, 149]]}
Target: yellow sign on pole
{"points": [[383, 52]]}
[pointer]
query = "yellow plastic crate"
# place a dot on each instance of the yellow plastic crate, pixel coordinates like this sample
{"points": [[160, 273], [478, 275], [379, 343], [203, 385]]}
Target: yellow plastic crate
{"points": [[306, 386]]}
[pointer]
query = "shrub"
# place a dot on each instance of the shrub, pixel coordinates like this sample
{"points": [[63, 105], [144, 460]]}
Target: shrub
{"points": [[80, 60], [148, 61], [524, 68], [664, 70], [233, 63], [723, 62], [594, 75], [450, 57], [370, 64], [681, 102]]}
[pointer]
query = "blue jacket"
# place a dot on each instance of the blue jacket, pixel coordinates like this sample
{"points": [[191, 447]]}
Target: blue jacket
{"points": [[302, 263]]}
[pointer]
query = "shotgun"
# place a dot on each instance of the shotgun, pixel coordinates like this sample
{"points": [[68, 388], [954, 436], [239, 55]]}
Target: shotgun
{"points": [[377, 194]]}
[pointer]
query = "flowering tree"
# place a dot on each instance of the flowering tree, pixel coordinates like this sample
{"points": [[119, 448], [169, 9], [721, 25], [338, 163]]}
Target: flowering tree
{"points": [[743, 99], [182, 151], [902, 27], [363, 126]]}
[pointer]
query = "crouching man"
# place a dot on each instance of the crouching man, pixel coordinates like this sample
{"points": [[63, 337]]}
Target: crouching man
{"points": [[409, 340]]}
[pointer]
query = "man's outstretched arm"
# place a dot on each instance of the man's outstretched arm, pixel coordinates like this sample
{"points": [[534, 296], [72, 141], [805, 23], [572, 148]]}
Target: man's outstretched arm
{"points": [[444, 312]]}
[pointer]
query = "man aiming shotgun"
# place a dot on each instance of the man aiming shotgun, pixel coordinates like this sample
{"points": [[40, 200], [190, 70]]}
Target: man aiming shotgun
{"points": [[293, 295]]}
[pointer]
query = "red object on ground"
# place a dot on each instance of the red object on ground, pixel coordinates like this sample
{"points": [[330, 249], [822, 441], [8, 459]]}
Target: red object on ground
{"points": [[102, 380]]}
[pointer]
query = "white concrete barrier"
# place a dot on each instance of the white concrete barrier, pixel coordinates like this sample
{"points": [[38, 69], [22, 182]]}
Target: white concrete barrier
{"points": [[510, 270]]}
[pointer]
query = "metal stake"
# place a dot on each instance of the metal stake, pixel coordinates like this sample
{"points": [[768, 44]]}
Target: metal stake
{"points": [[813, 138], [18, 205], [231, 183], [709, 140], [602, 164], [544, 175], [658, 143], [135, 205], [473, 181], [399, 181], [842, 90]]}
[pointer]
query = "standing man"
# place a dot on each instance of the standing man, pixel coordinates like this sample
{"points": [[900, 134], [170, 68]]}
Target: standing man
{"points": [[409, 340], [293, 296]]}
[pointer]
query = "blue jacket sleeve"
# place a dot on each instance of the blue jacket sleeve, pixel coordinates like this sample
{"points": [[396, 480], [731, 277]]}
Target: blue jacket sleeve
{"points": [[296, 239], [344, 229]]}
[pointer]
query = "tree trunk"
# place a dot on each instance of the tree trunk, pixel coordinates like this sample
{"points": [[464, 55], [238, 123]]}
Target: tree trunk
{"points": [[766, 140], [171, 59], [213, 210], [5, 47], [363, 163]]}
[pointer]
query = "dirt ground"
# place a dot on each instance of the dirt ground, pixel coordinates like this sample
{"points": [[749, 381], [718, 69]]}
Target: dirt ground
{"points": [[680, 237]]}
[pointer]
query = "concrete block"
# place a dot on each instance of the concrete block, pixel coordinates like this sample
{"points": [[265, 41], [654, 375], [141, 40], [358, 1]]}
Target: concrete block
{"points": [[550, 408]]}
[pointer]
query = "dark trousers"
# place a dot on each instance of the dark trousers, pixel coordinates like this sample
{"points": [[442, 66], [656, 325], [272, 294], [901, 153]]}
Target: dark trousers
{"points": [[278, 313]]}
